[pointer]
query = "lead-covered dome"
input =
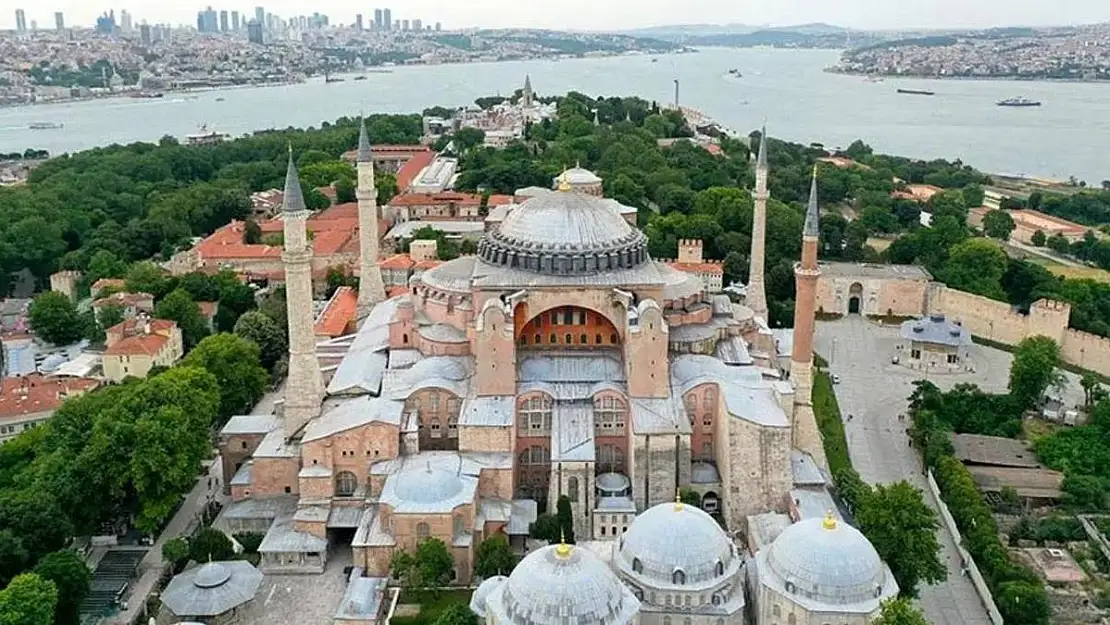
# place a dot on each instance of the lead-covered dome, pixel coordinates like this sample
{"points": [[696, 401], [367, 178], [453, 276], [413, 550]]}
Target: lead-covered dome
{"points": [[427, 485], [565, 233], [827, 561], [676, 544], [563, 584]]}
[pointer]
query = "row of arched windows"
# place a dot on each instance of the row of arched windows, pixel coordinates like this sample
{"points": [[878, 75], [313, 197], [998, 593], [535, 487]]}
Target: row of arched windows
{"points": [[568, 339], [678, 576]]}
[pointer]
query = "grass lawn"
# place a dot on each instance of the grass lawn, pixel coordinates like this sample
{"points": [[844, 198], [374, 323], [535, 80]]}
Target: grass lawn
{"points": [[431, 604], [829, 422], [1060, 269]]}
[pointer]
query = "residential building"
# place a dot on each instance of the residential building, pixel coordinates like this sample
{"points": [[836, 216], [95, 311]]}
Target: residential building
{"points": [[136, 345], [29, 400]]}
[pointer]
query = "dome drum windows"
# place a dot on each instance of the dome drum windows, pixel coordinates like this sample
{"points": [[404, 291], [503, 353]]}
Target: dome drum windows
{"points": [[678, 577]]}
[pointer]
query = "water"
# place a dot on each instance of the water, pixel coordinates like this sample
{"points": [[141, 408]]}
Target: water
{"points": [[1067, 136]]}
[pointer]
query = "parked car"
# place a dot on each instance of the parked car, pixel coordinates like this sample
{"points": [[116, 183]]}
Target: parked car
{"points": [[835, 379]]}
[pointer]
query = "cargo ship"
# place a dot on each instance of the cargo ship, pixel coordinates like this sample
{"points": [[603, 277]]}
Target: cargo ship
{"points": [[45, 126], [916, 92], [1019, 101]]}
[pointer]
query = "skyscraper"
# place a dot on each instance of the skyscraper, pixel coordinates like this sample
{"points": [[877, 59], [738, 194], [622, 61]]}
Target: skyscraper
{"points": [[377, 19], [417, 25], [125, 21], [404, 24], [254, 31], [144, 34], [207, 21], [259, 16], [358, 22], [224, 24], [387, 19], [20, 22], [439, 27], [59, 21], [235, 21]]}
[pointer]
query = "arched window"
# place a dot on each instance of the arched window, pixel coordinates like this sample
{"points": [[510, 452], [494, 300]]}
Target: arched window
{"points": [[613, 338], [572, 489], [345, 484], [776, 611], [567, 338], [678, 577], [554, 339], [405, 338], [435, 428], [720, 568], [597, 339], [583, 339], [637, 566], [537, 339], [710, 398], [452, 427], [667, 619], [422, 530]]}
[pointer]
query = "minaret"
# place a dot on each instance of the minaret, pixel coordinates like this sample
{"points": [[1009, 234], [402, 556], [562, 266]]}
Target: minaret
{"points": [[804, 430], [371, 289], [527, 96], [757, 292], [304, 388]]}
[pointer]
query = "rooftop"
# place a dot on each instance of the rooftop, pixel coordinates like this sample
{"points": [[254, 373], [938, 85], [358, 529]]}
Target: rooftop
{"points": [[994, 450], [868, 270], [36, 393], [935, 329], [339, 313]]}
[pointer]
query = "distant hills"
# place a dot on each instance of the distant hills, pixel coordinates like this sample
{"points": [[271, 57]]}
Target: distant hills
{"points": [[816, 35]]}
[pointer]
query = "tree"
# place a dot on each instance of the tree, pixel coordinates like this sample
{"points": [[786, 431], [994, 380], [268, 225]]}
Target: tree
{"points": [[37, 519], [180, 307], [28, 600], [108, 316], [211, 545], [1092, 389], [402, 566], [899, 611], [146, 277], [545, 527], [902, 527], [1059, 243], [54, 318], [1023, 602], [71, 577], [176, 552], [1038, 239], [234, 361], [252, 232], [13, 556], [1086, 492], [565, 517], [457, 613], [998, 225], [690, 497], [1034, 369], [344, 191], [104, 264], [976, 266], [494, 557], [434, 562], [264, 332]]}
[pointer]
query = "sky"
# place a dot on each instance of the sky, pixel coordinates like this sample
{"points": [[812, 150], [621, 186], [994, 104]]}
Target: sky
{"points": [[607, 14]]}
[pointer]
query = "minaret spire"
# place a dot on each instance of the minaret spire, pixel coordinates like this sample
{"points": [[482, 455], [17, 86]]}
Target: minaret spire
{"points": [[806, 436], [371, 288], [757, 291], [304, 389]]}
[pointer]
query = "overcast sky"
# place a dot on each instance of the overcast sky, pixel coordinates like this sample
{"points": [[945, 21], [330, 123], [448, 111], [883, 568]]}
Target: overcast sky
{"points": [[608, 14]]}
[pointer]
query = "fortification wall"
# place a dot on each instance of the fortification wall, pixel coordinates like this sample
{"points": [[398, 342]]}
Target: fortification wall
{"points": [[1086, 350]]}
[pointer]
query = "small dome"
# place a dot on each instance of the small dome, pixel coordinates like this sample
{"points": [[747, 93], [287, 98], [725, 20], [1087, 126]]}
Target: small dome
{"points": [[211, 575], [613, 483], [579, 175], [483, 592], [828, 561], [565, 584], [427, 485], [672, 537]]}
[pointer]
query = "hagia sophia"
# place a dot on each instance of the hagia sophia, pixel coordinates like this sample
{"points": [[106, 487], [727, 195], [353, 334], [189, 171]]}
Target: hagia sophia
{"points": [[560, 360]]}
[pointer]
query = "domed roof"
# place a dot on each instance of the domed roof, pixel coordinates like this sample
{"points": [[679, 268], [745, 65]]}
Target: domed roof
{"points": [[427, 485], [211, 575], [829, 561], [672, 537], [483, 592], [579, 175], [564, 584], [565, 233]]}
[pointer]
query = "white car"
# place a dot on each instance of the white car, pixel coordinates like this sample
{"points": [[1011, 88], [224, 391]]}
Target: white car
{"points": [[835, 379]]}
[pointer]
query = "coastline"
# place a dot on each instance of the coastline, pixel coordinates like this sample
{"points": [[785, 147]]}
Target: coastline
{"points": [[1000, 78]]}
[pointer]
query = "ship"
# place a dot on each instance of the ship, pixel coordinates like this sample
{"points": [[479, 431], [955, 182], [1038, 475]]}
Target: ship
{"points": [[360, 77], [1018, 101], [916, 92], [45, 126], [148, 94], [206, 137], [735, 72]]}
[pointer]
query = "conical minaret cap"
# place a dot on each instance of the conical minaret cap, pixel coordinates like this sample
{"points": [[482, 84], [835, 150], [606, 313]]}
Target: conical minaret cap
{"points": [[812, 225], [761, 162], [365, 152], [294, 197]]}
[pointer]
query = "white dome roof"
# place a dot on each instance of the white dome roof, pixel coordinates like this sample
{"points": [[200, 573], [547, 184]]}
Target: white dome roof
{"points": [[828, 561], [427, 485], [580, 175], [575, 220], [674, 536], [563, 584], [483, 592]]}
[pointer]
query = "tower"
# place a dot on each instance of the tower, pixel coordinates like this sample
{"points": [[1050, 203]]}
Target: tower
{"points": [[304, 389], [804, 430], [757, 295], [371, 290], [527, 96]]}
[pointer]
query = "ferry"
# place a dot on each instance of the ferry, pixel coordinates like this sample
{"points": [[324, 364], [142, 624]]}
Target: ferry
{"points": [[916, 92], [1018, 101], [45, 126], [206, 137]]}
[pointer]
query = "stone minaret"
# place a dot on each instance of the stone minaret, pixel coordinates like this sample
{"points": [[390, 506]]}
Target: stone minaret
{"points": [[757, 292], [528, 96], [304, 388], [371, 290], [806, 436]]}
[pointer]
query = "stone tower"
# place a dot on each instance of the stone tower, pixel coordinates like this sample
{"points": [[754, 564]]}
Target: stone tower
{"points": [[806, 436], [527, 96], [757, 292], [304, 388], [371, 290]]}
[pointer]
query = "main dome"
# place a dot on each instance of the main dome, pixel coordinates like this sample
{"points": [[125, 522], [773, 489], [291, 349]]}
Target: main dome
{"points": [[565, 233], [427, 485], [672, 537], [828, 561], [564, 584]]}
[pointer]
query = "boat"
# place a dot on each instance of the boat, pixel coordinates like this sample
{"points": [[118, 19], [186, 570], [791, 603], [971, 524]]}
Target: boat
{"points": [[916, 92], [148, 95], [735, 72], [330, 80], [45, 126], [220, 99], [1018, 101], [360, 77], [206, 137], [874, 79], [655, 60]]}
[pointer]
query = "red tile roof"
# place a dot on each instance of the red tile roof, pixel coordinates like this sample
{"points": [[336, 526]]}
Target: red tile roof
{"points": [[38, 393], [397, 261], [339, 314], [712, 268], [107, 283], [394, 291], [332, 230], [411, 169], [134, 300], [446, 197], [499, 200], [133, 341], [425, 265]]}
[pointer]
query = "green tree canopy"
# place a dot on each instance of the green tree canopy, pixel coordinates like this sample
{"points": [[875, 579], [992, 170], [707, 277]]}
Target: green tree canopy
{"points": [[28, 600], [211, 545], [234, 361], [71, 577], [1034, 369], [899, 611], [458, 613], [54, 318], [434, 562], [494, 557], [264, 332], [180, 307], [976, 266], [998, 224], [902, 527]]}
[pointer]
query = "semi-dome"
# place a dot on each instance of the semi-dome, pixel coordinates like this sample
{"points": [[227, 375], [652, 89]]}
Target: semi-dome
{"points": [[675, 543], [827, 561], [427, 485], [565, 233], [563, 584], [483, 592]]}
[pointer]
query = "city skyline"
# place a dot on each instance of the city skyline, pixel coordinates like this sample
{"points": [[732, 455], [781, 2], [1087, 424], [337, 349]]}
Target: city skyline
{"points": [[625, 14]]}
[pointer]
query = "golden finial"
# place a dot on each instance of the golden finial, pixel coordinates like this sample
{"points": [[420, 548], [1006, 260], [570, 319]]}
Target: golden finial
{"points": [[677, 499], [563, 549], [815, 169], [830, 521], [564, 184]]}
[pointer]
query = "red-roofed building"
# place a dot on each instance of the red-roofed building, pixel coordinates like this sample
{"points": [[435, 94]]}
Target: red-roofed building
{"points": [[339, 315], [111, 284], [412, 168], [130, 303], [27, 401], [137, 345], [711, 273], [390, 158], [917, 192]]}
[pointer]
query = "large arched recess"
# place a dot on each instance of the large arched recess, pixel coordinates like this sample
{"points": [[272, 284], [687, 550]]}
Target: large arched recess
{"points": [[565, 327]]}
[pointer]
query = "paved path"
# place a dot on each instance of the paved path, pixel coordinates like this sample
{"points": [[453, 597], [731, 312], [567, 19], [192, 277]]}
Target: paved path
{"points": [[874, 391]]}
